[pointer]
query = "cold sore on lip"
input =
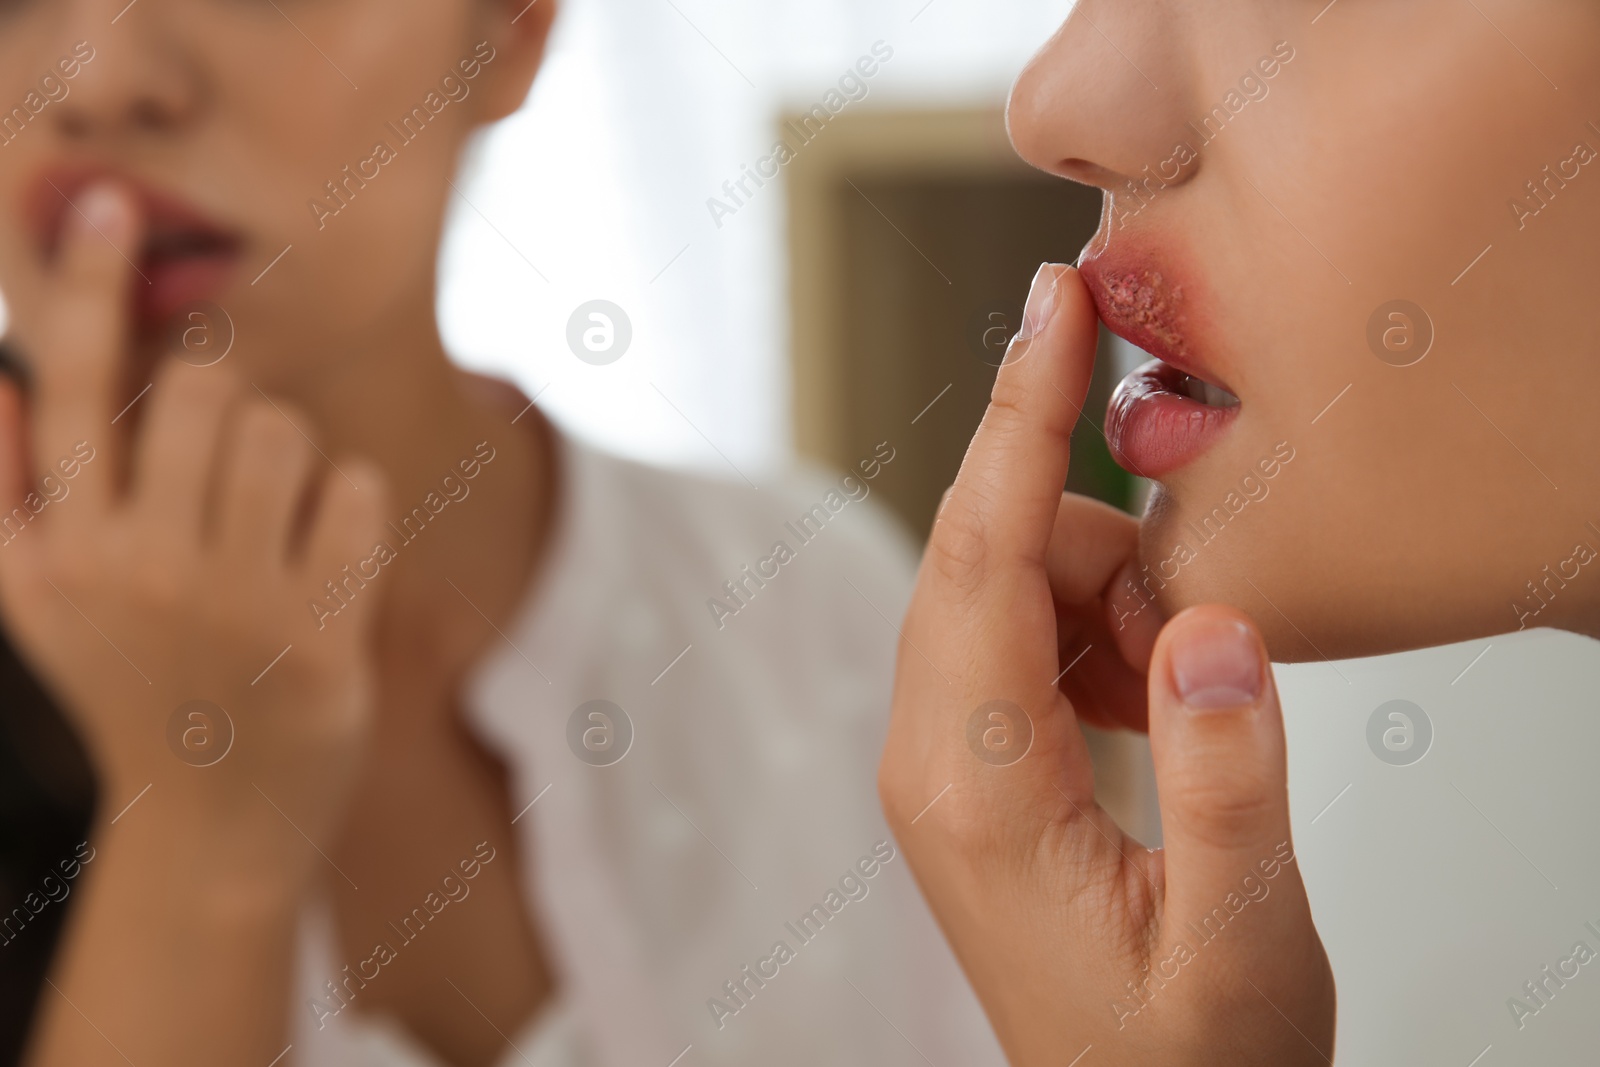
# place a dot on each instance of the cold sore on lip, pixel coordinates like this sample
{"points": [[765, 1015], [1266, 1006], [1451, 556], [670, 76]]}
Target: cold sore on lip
{"points": [[1162, 416]]}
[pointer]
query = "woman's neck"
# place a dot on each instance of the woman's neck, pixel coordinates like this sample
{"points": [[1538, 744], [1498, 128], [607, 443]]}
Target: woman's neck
{"points": [[466, 531]]}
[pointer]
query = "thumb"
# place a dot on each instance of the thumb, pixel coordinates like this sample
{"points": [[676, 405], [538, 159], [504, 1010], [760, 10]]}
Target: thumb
{"points": [[1216, 734]]}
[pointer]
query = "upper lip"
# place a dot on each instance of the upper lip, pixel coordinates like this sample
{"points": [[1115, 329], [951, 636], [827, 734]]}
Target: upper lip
{"points": [[166, 217], [1144, 301]]}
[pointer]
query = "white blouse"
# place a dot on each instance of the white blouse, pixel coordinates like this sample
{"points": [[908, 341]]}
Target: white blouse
{"points": [[725, 892]]}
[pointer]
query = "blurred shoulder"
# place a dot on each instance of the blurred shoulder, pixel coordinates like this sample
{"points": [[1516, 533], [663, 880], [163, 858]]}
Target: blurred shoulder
{"points": [[715, 526]]}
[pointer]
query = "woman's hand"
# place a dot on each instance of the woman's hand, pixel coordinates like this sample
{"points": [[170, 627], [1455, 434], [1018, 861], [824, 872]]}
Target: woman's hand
{"points": [[1072, 933], [141, 572]]}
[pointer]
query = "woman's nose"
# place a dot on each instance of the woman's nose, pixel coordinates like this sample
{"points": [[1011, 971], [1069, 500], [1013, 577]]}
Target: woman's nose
{"points": [[1106, 96], [141, 79]]}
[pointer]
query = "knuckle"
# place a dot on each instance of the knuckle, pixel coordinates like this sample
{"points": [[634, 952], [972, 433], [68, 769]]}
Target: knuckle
{"points": [[268, 436], [916, 799], [190, 400], [958, 550], [195, 385], [350, 515], [905, 791], [965, 826], [1009, 401], [1223, 814], [1019, 420], [135, 563], [893, 796]]}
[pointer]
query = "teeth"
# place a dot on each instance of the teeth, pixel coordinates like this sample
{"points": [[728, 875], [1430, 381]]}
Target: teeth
{"points": [[1216, 397], [1208, 394]]}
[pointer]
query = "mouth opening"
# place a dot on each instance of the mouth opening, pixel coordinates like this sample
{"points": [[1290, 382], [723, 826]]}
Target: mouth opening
{"points": [[1212, 396], [1190, 386], [174, 243]]}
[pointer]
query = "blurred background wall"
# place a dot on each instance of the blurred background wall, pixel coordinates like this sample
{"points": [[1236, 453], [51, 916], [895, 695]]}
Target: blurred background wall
{"points": [[601, 185]]}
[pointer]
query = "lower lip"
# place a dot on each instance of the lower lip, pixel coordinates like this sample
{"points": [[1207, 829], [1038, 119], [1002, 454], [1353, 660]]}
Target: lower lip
{"points": [[1153, 429], [169, 286]]}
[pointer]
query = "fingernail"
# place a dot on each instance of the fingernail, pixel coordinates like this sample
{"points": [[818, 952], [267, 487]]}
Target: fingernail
{"points": [[104, 210], [1041, 301], [1217, 664]]}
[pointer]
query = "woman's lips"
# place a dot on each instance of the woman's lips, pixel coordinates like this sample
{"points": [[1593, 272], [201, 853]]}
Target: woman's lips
{"points": [[1141, 305], [184, 257], [1167, 412], [172, 284], [1161, 418]]}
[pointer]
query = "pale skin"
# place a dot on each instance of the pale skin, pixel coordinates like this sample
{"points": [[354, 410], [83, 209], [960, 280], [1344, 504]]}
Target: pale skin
{"points": [[206, 521], [1371, 166]]}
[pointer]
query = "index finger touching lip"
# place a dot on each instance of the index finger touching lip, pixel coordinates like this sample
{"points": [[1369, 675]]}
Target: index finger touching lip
{"points": [[1009, 489], [80, 354]]}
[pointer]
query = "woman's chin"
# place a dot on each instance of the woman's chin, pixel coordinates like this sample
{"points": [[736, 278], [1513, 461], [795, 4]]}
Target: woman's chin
{"points": [[1309, 604]]}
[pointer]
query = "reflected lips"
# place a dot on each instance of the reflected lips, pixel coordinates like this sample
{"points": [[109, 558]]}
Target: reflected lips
{"points": [[1170, 410], [185, 257]]}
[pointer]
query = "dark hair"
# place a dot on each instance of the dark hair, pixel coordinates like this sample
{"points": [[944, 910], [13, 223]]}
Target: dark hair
{"points": [[47, 796]]}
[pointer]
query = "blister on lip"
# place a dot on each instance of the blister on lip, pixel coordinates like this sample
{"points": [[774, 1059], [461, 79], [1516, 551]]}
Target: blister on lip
{"points": [[1142, 296], [1145, 303]]}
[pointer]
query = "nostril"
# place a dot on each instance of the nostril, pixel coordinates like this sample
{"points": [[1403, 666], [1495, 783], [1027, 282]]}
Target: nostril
{"points": [[1088, 173]]}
